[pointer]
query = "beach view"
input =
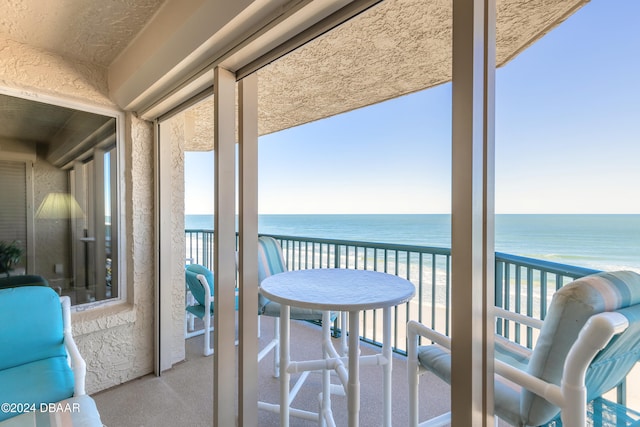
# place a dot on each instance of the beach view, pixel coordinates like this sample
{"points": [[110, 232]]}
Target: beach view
{"points": [[603, 242], [565, 184]]}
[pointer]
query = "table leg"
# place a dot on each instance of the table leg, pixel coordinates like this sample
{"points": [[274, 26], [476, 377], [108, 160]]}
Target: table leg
{"points": [[353, 397], [326, 373], [284, 364], [387, 368]]}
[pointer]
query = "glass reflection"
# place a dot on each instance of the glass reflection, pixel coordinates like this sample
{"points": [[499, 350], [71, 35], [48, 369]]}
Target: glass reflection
{"points": [[59, 186]]}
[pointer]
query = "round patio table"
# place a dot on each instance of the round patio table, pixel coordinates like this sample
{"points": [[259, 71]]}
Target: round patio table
{"points": [[337, 290]]}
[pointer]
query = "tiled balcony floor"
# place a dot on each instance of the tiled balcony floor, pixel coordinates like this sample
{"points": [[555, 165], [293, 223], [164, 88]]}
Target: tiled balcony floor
{"points": [[183, 395]]}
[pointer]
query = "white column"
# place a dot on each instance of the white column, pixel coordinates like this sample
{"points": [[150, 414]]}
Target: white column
{"points": [[248, 256], [164, 264], [489, 285], [224, 390], [472, 211]]}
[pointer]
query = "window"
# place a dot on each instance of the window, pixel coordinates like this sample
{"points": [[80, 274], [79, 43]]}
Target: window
{"points": [[60, 169]]}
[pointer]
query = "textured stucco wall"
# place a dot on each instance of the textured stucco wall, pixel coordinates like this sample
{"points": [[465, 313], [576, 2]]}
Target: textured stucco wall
{"points": [[176, 150], [116, 339]]}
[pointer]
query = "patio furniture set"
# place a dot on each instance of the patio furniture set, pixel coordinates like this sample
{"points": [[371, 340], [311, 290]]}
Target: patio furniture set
{"points": [[587, 344]]}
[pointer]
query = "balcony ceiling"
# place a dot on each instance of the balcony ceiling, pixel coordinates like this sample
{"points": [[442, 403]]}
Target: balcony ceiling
{"points": [[395, 48], [93, 31]]}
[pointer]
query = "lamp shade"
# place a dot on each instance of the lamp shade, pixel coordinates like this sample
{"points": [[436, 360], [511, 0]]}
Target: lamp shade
{"points": [[59, 206]]}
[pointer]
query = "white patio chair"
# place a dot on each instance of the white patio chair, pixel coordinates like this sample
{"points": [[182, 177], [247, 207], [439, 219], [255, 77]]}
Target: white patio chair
{"points": [[200, 298], [588, 342]]}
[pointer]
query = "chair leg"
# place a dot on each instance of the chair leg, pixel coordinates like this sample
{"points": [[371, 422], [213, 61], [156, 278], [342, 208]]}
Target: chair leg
{"points": [[413, 376], [190, 324], [276, 352], [208, 351], [186, 324], [192, 320]]}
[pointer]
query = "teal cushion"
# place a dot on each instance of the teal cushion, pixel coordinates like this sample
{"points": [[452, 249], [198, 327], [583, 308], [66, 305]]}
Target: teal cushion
{"points": [[511, 353], [270, 262], [191, 276], [437, 359], [43, 381], [612, 364], [570, 308], [272, 309], [32, 325], [198, 310]]}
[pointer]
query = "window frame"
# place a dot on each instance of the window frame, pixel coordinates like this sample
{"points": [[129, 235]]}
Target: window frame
{"points": [[117, 212]]}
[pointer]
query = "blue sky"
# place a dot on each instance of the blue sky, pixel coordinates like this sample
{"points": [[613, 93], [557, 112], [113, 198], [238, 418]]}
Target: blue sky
{"points": [[567, 137]]}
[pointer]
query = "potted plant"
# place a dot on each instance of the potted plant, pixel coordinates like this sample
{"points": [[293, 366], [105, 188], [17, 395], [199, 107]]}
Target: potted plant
{"points": [[10, 254]]}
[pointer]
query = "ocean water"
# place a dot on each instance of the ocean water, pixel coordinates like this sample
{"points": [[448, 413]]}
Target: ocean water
{"points": [[605, 242]]}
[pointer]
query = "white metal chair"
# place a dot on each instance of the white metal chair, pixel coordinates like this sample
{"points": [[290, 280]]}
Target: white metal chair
{"points": [[588, 342], [200, 297]]}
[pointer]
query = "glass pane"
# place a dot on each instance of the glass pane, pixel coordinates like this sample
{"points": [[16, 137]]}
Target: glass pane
{"points": [[69, 196]]}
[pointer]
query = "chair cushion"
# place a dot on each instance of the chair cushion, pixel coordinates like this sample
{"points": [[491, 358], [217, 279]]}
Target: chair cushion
{"points": [[270, 262], [511, 353], [36, 332], [570, 308], [437, 359], [611, 365], [272, 309], [43, 381], [198, 310], [196, 288], [270, 258]]}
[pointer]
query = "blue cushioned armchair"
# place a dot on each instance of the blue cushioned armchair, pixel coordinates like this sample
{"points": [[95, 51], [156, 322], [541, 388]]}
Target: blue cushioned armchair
{"points": [[588, 342], [39, 361], [200, 285]]}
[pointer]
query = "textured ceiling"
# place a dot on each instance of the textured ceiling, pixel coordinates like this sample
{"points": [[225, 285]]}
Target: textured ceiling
{"points": [[93, 31], [90, 31], [395, 48]]}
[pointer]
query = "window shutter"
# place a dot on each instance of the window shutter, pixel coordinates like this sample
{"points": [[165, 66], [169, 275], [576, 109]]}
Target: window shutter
{"points": [[13, 202]]}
